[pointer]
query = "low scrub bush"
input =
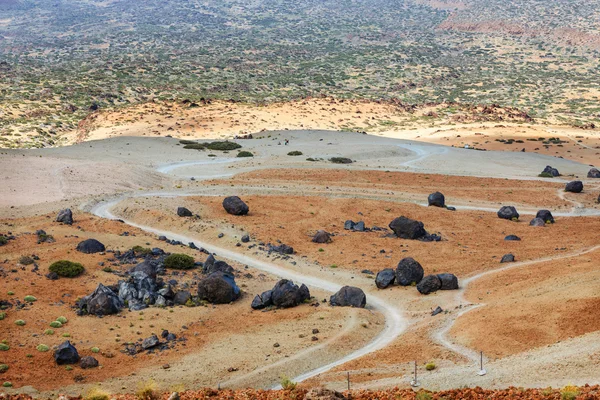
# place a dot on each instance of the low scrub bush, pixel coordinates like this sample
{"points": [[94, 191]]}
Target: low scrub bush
{"points": [[223, 146], [29, 299], [287, 384], [4, 347], [340, 160], [20, 322], [295, 153], [96, 394], [546, 175], [430, 366], [3, 368], [62, 320], [3, 240], [245, 154], [67, 269], [48, 332], [55, 324], [43, 348], [195, 146], [26, 260], [179, 261], [147, 390]]}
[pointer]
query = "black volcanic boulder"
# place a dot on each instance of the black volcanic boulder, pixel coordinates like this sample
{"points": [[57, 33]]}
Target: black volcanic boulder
{"points": [[218, 288], [409, 272], [449, 281], [146, 267], [574, 187], [211, 265], [551, 171], [508, 212], [436, 199], [507, 258], [103, 301], [537, 222], [429, 284], [385, 278], [287, 294], [182, 297], [184, 212], [262, 300], [349, 296], [545, 215], [65, 216], [90, 246], [594, 173], [66, 353], [513, 238], [282, 249], [321, 237], [407, 228], [235, 206]]}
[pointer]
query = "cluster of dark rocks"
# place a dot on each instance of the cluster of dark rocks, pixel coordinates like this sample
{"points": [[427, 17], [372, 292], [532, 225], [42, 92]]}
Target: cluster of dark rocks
{"points": [[153, 343], [285, 294], [143, 286], [406, 228], [542, 218], [410, 272], [66, 354]]}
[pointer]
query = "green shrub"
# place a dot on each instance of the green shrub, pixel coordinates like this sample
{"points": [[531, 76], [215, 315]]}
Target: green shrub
{"points": [[48, 332], [295, 153], [95, 350], [3, 240], [67, 269], [11, 293], [4, 347], [311, 159], [569, 392], [430, 366], [223, 146], [187, 141], [7, 384], [3, 368], [423, 395], [2, 316], [340, 160], [287, 384], [141, 251], [43, 348], [245, 154], [20, 322], [546, 175], [62, 320], [195, 146], [26, 260], [66, 334], [55, 324], [179, 261], [29, 298], [96, 394]]}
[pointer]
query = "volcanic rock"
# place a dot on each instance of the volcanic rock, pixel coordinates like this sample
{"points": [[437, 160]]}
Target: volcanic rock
{"points": [[90, 246], [574, 187], [349, 296], [218, 288], [321, 237], [385, 278], [235, 206], [65, 216], [429, 284], [436, 199], [66, 353], [184, 212], [508, 212], [546, 216], [409, 271]]}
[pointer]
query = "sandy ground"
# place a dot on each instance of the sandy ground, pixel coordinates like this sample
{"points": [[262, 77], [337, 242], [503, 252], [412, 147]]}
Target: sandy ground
{"points": [[521, 312]]}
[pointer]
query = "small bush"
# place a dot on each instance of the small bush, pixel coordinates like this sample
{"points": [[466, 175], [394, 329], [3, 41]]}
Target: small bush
{"points": [[66, 334], [141, 251], [569, 392], [4, 347], [195, 146], [29, 299], [147, 390], [62, 320], [48, 332], [245, 154], [179, 261], [223, 146], [7, 384], [3, 240], [3, 368], [55, 324], [26, 260], [43, 348], [287, 384], [96, 394], [11, 293], [546, 175], [2, 316], [67, 269], [295, 153], [430, 366], [95, 350], [183, 141], [423, 395], [340, 160], [311, 159], [20, 322]]}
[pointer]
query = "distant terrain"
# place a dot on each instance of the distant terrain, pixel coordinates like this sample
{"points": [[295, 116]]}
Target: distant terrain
{"points": [[62, 60]]}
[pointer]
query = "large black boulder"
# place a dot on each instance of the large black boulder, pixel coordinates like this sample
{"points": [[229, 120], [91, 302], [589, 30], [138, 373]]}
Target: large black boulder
{"points": [[449, 281], [594, 173], [436, 199], [262, 300], [184, 212], [574, 187], [551, 171], [537, 222], [103, 301], [321, 237], [65, 216], [545, 215], [66, 353], [212, 265], [409, 272], [385, 278], [146, 267], [90, 246], [218, 288], [407, 228], [429, 284], [235, 206], [508, 212], [349, 296], [287, 294]]}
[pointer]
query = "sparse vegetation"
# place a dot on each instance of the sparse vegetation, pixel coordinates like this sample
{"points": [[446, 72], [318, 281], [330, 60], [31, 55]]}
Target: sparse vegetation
{"points": [[20, 322], [4, 347], [29, 299], [287, 384], [55, 324], [48, 332], [26, 260], [3, 368], [430, 366], [95, 350], [223, 146], [147, 390], [43, 348], [245, 154], [340, 160], [546, 175], [3, 240], [294, 153], [569, 392], [67, 269], [96, 393], [179, 261], [62, 320]]}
